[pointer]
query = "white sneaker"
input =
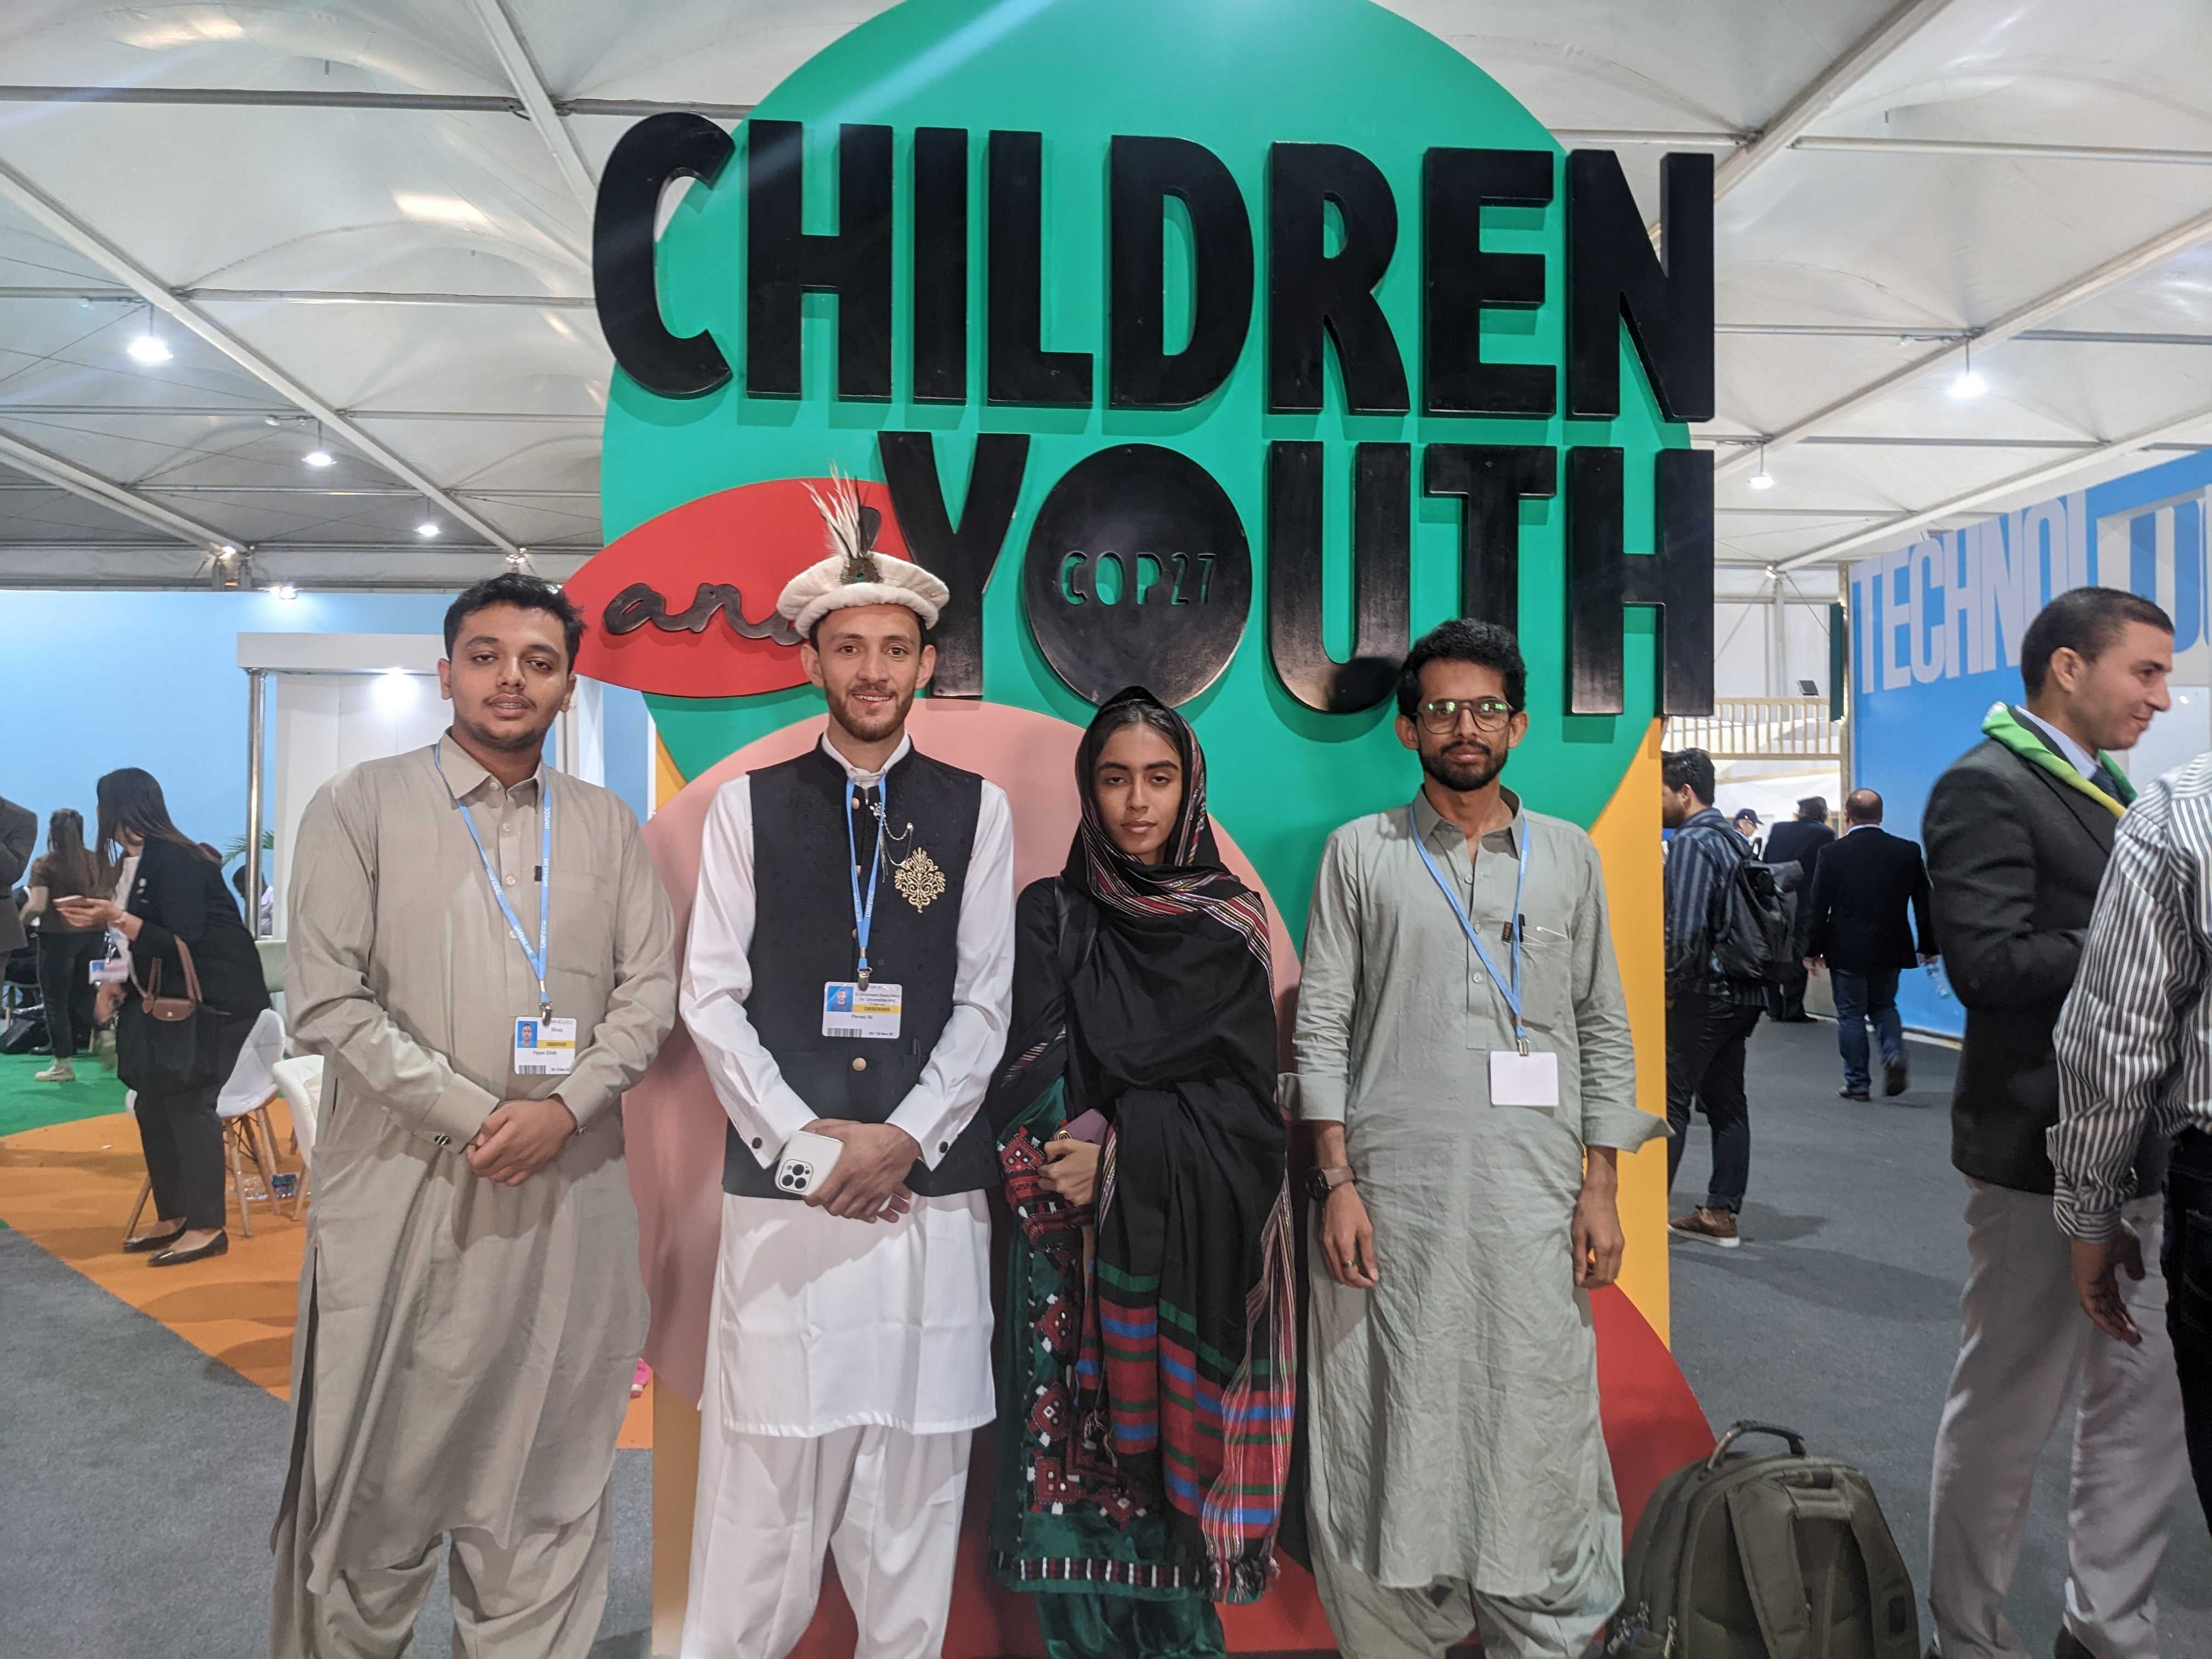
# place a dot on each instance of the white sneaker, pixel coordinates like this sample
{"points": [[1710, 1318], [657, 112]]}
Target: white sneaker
{"points": [[60, 1071]]}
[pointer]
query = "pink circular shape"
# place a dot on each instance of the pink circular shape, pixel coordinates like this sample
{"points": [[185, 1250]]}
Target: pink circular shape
{"points": [[674, 1125]]}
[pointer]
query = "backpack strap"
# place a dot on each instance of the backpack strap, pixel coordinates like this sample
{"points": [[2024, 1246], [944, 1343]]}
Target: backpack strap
{"points": [[1764, 1517]]}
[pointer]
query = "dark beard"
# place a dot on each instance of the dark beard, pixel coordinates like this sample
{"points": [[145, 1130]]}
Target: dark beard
{"points": [[1464, 780], [848, 720]]}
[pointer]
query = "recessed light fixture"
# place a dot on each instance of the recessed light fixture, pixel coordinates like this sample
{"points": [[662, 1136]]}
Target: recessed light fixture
{"points": [[426, 529]]}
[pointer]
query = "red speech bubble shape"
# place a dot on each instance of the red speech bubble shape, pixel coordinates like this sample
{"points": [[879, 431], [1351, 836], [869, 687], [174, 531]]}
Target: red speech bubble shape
{"points": [[683, 605]]}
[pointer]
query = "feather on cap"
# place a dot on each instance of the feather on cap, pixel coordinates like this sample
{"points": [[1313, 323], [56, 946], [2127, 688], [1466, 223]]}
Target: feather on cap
{"points": [[855, 573]]}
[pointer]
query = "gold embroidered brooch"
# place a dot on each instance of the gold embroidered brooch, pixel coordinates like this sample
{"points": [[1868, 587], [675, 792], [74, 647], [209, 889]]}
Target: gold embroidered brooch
{"points": [[920, 883]]}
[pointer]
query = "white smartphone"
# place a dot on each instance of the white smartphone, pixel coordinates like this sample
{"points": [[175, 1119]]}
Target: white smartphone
{"points": [[806, 1161]]}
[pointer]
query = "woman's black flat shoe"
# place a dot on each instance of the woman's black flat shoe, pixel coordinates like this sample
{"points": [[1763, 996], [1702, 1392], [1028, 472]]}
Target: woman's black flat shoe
{"points": [[215, 1246], [146, 1241]]}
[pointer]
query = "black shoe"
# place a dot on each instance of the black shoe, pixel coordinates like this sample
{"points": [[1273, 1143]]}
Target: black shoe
{"points": [[145, 1241], [1895, 1076], [217, 1246], [2068, 1645], [1853, 1094]]}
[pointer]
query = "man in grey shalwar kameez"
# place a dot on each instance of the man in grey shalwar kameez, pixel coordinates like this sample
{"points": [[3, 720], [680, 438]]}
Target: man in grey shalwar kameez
{"points": [[1465, 1169], [470, 1307]]}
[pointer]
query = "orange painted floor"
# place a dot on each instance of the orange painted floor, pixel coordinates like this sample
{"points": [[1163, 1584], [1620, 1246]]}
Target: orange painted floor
{"points": [[69, 1189]]}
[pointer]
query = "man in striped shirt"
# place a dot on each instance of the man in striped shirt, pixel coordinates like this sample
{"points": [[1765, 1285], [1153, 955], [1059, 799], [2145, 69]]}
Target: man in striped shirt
{"points": [[2134, 1050]]}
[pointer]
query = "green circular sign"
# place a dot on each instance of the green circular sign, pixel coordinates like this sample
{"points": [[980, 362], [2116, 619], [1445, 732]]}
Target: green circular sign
{"points": [[1340, 133]]}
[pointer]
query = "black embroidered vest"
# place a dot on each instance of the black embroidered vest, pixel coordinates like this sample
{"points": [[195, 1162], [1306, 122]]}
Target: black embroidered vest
{"points": [[804, 938]]}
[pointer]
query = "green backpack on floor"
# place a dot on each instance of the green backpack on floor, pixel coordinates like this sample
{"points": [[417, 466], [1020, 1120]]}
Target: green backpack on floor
{"points": [[1771, 1556]]}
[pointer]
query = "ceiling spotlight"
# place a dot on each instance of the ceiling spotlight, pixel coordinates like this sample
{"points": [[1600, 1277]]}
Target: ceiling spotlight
{"points": [[285, 591], [1759, 480], [426, 529], [319, 457], [228, 554], [148, 347], [1969, 383]]}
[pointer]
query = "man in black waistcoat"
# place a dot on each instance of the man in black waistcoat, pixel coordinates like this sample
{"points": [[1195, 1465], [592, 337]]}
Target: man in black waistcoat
{"points": [[850, 975]]}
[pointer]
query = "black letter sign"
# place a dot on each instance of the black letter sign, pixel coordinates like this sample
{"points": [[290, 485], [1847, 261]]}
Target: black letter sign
{"points": [[1017, 369], [650, 155], [783, 262], [1381, 577], [964, 556], [1141, 374], [1459, 279], [1612, 274], [1308, 290], [1137, 574]]}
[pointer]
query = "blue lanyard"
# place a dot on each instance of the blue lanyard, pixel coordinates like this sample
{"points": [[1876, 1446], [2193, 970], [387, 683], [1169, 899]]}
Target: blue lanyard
{"points": [[1509, 990], [535, 958], [864, 915]]}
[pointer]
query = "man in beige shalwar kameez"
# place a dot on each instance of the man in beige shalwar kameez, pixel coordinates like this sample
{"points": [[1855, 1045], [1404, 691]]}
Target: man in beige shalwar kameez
{"points": [[470, 1307]]}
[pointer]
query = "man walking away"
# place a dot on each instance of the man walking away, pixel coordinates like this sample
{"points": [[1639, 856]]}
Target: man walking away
{"points": [[1858, 926], [2135, 1054], [2018, 831], [1798, 841], [1709, 1014]]}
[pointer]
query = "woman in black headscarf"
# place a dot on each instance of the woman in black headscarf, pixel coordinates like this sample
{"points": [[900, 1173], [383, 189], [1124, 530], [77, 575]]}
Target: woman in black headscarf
{"points": [[1146, 1348]]}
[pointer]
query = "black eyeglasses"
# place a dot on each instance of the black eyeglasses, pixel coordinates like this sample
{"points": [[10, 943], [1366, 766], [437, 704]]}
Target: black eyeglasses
{"points": [[1442, 714]]}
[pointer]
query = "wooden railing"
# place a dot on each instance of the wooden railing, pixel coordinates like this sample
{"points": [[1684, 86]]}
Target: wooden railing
{"points": [[1760, 728]]}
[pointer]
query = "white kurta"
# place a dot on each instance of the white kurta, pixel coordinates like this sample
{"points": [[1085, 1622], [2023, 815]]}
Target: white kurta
{"points": [[820, 1324]]}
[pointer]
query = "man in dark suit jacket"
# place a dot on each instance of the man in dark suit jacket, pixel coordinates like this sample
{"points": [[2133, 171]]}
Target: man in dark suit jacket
{"points": [[2018, 831], [1856, 923], [19, 839], [1798, 841]]}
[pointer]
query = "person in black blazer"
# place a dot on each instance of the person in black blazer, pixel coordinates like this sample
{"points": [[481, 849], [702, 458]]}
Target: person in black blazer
{"points": [[1856, 923], [2018, 831], [177, 894], [1798, 841], [19, 839]]}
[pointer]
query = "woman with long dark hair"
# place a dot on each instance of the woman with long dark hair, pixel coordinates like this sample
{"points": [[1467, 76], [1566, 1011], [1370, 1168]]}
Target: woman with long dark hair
{"points": [[1146, 1347], [174, 910], [66, 952]]}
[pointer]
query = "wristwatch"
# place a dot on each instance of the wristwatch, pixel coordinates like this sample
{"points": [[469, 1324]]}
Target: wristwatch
{"points": [[1322, 1182]]}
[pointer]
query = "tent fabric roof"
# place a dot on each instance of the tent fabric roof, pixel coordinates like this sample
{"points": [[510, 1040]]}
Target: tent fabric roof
{"points": [[365, 226]]}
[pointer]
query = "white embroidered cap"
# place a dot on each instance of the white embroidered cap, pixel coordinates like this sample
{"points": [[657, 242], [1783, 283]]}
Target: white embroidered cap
{"points": [[855, 574]]}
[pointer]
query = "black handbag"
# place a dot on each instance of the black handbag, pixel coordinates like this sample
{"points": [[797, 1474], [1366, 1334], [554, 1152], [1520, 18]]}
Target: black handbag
{"points": [[161, 1043]]}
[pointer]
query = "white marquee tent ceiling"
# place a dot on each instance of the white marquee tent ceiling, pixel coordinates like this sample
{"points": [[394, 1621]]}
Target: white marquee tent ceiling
{"points": [[372, 215]]}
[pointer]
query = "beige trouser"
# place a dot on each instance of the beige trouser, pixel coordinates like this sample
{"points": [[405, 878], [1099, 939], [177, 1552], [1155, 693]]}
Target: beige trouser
{"points": [[1377, 1621], [2026, 1347], [540, 1599]]}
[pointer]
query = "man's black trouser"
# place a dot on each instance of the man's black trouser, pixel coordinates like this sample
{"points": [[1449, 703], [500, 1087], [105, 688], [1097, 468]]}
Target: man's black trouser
{"points": [[2185, 1259], [1705, 1038]]}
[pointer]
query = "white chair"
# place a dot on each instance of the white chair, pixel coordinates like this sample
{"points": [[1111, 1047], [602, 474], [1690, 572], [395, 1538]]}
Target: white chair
{"points": [[243, 1108], [299, 1080]]}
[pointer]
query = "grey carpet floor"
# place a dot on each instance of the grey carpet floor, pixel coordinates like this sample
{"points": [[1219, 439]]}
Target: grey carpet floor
{"points": [[1839, 1315], [138, 1479]]}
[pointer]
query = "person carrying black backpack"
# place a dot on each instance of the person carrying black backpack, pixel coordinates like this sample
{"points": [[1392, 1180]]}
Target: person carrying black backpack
{"points": [[1717, 914]]}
